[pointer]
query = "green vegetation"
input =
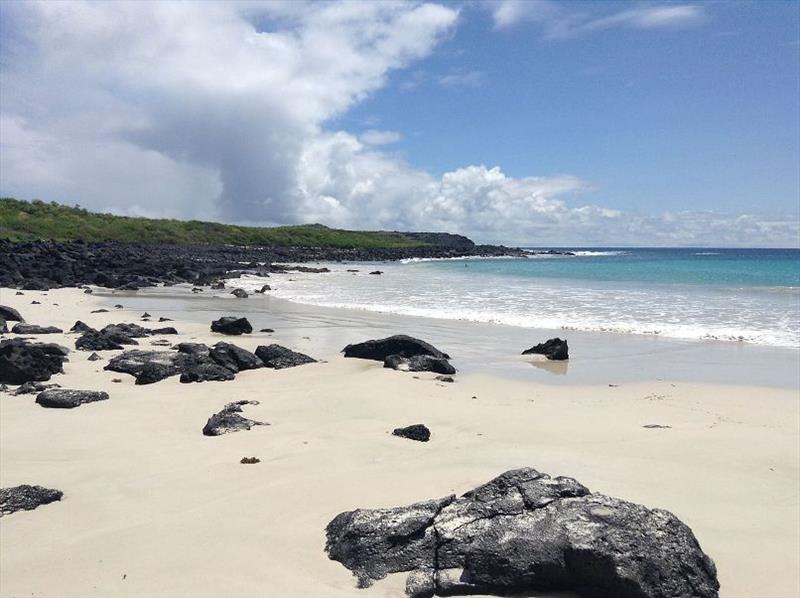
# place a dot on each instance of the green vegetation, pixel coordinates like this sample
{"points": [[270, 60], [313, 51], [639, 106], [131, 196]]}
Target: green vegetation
{"points": [[22, 220]]}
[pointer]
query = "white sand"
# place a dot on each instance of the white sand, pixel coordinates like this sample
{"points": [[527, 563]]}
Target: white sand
{"points": [[154, 508]]}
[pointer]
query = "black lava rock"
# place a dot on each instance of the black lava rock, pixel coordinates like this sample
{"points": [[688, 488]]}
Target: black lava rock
{"points": [[278, 357], [96, 341], [94, 357], [231, 325], [400, 344], [26, 498], [10, 314], [525, 532], [204, 371], [418, 432], [23, 328], [554, 349], [30, 388], [419, 363], [60, 398], [81, 327], [234, 358], [22, 362], [228, 420]]}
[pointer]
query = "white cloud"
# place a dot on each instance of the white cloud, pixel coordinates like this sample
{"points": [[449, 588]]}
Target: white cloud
{"points": [[219, 111], [376, 137], [559, 21]]}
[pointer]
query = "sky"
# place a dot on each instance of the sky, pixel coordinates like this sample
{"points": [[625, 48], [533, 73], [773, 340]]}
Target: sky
{"points": [[528, 122]]}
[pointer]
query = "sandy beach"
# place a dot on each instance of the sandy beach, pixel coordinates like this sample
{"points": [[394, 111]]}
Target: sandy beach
{"points": [[153, 508]]}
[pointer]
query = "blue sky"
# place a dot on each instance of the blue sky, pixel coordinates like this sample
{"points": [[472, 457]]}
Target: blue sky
{"points": [[701, 116], [532, 122]]}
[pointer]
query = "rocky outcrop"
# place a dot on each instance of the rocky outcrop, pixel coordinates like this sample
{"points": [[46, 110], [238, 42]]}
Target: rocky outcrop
{"points": [[23, 328], [419, 432], [400, 344], [60, 398], [21, 361], [554, 349], [229, 420], [521, 533], [419, 363], [278, 357], [231, 325], [26, 498], [10, 314]]}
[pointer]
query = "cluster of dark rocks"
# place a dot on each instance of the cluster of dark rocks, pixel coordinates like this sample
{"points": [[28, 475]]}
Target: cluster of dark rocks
{"points": [[42, 265], [402, 352], [114, 336], [525, 532], [196, 362]]}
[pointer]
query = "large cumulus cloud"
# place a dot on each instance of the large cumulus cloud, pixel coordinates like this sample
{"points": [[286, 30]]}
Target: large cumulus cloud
{"points": [[222, 111]]}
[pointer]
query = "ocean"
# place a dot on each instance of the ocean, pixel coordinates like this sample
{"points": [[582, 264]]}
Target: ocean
{"points": [[741, 295]]}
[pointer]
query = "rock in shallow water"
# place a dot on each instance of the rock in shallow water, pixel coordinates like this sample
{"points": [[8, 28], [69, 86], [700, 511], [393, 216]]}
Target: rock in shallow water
{"points": [[399, 344], [525, 532], [231, 325], [26, 498], [60, 398], [554, 349], [228, 420]]}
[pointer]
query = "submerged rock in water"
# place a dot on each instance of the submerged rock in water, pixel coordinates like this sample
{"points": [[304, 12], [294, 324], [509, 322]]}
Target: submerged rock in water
{"points": [[228, 420], [22, 362], [419, 363], [419, 432], [554, 349], [239, 293], [60, 398], [399, 344], [26, 498], [278, 357], [526, 532], [23, 328], [231, 325]]}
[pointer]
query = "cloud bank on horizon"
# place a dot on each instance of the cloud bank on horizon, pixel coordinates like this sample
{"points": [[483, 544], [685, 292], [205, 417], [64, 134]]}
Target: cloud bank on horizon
{"points": [[223, 111]]}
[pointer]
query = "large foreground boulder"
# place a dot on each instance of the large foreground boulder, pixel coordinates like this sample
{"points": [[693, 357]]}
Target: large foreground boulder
{"points": [[278, 357], [399, 344], [26, 498], [61, 398], [10, 314], [419, 363], [228, 420], [23, 328], [22, 362], [555, 349], [231, 325], [526, 532]]}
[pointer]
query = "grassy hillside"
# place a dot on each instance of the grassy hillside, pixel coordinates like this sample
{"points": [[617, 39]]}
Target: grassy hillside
{"points": [[22, 220]]}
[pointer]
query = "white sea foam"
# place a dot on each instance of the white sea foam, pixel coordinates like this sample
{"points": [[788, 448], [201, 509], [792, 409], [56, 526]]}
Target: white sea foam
{"points": [[598, 253], [746, 315], [707, 253]]}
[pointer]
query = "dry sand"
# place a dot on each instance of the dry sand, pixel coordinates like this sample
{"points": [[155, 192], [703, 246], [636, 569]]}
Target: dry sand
{"points": [[153, 508]]}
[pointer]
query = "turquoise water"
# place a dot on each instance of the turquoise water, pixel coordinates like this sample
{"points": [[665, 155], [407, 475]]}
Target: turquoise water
{"points": [[741, 295]]}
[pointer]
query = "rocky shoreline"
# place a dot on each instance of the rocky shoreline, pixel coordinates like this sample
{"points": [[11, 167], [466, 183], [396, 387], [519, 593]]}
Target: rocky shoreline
{"points": [[42, 265]]}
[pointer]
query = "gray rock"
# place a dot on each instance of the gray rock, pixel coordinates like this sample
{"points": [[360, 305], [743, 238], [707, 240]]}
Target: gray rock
{"points": [[148, 366], [239, 293], [526, 532], [81, 327], [278, 357], [23, 328], [10, 314], [60, 398], [419, 363], [192, 349], [228, 420], [205, 371], [30, 388], [418, 432], [445, 378], [94, 357], [234, 358], [26, 498], [400, 344]]}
